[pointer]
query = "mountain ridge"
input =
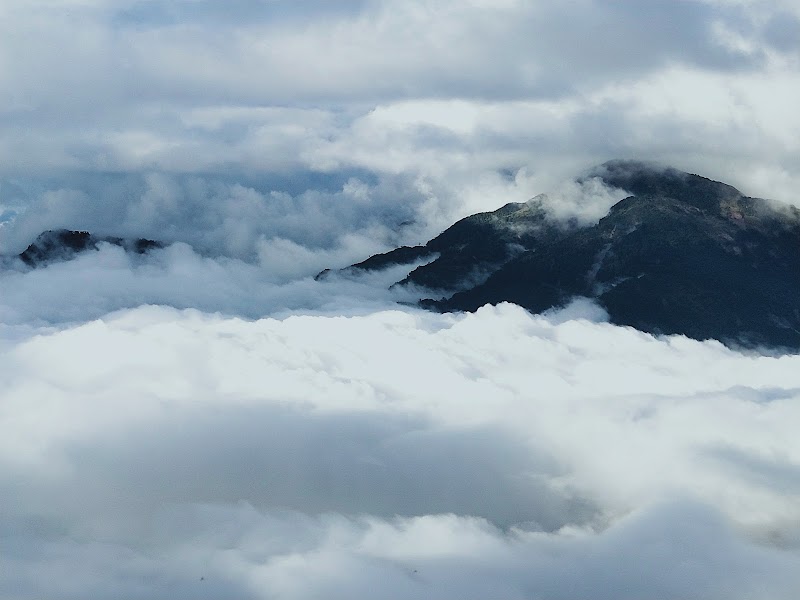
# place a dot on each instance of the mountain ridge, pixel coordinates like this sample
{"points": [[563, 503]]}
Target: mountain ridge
{"points": [[64, 244], [678, 254], [681, 254]]}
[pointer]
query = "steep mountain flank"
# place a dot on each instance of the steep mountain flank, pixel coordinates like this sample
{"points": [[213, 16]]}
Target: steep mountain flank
{"points": [[682, 254]]}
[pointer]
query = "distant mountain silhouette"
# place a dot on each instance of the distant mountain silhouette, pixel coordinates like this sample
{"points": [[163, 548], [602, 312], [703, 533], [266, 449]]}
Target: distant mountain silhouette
{"points": [[63, 244], [681, 255]]}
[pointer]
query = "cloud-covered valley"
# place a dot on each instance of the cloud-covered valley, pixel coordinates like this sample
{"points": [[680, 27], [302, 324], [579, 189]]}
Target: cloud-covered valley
{"points": [[396, 454]]}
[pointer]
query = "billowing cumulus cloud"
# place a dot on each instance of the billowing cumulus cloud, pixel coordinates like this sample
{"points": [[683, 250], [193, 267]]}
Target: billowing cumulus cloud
{"points": [[398, 454]]}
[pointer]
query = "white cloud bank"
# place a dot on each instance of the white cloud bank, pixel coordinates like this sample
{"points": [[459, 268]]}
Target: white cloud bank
{"points": [[280, 281], [162, 453]]}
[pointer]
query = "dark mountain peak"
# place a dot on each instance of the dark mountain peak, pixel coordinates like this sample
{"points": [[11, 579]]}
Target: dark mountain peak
{"points": [[682, 254], [63, 244], [649, 180], [471, 249], [515, 219]]}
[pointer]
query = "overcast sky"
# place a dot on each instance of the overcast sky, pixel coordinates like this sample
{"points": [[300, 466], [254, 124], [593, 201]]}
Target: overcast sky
{"points": [[208, 421]]}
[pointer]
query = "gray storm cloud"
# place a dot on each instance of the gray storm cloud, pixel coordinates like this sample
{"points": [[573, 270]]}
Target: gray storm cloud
{"points": [[394, 454], [444, 90], [242, 137]]}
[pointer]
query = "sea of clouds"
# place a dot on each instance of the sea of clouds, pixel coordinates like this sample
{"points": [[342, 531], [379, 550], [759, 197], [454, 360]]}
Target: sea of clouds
{"points": [[209, 421], [337, 448]]}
